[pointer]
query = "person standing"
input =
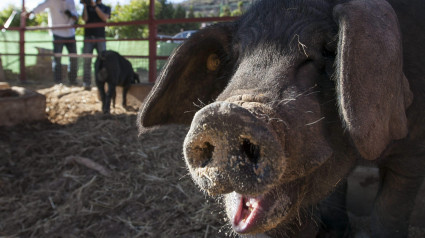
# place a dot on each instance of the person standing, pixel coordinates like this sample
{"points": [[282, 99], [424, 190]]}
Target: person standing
{"points": [[61, 13], [93, 12]]}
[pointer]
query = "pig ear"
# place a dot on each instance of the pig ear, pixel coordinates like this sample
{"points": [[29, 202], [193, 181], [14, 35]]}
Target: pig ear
{"points": [[195, 75], [373, 92]]}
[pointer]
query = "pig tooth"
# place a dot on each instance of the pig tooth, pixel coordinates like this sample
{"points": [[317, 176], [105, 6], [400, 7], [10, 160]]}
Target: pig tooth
{"points": [[253, 202], [248, 204]]}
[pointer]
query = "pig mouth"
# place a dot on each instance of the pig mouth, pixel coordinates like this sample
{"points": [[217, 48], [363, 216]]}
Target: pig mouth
{"points": [[256, 214], [235, 149], [249, 211]]}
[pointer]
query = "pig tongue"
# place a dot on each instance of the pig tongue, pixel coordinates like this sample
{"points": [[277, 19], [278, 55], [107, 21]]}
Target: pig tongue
{"points": [[246, 214]]}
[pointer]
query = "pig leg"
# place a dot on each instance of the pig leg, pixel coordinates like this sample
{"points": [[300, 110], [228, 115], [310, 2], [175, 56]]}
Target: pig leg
{"points": [[113, 95], [101, 89], [110, 95], [400, 180], [124, 96], [333, 211]]}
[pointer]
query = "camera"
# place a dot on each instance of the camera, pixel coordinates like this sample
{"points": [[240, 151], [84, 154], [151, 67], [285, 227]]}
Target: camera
{"points": [[87, 2], [68, 13]]}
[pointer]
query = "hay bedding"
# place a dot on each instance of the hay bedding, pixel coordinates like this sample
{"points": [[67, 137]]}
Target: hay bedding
{"points": [[84, 174]]}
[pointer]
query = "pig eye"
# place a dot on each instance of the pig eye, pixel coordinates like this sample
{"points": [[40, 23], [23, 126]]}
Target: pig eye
{"points": [[213, 62]]}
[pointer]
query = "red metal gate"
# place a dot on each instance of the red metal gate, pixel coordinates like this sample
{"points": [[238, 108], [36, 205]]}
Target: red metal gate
{"points": [[151, 22]]}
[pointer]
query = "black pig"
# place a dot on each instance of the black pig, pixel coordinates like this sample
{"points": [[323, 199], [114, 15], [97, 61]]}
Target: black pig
{"points": [[115, 70], [295, 92]]}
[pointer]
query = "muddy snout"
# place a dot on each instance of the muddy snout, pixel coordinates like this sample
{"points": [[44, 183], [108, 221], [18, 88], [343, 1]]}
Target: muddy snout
{"points": [[229, 149]]}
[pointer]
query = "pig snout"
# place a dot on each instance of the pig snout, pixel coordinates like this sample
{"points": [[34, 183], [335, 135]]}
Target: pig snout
{"points": [[229, 149]]}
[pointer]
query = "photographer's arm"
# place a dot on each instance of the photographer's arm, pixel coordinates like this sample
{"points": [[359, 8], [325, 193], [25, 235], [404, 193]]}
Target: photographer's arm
{"points": [[75, 18], [85, 15], [39, 8], [72, 10], [101, 14]]}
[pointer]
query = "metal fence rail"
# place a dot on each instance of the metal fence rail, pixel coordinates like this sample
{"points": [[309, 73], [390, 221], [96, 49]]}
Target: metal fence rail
{"points": [[152, 23]]}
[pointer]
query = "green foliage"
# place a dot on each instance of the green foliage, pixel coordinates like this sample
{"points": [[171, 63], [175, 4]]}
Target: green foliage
{"points": [[167, 12], [40, 19], [191, 13], [4, 15], [180, 12], [135, 10], [80, 30], [213, 8], [238, 11], [191, 26], [7, 12], [225, 12], [139, 10]]}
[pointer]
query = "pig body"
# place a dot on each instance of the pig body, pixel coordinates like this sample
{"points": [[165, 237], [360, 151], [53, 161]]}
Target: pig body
{"points": [[294, 93], [115, 70]]}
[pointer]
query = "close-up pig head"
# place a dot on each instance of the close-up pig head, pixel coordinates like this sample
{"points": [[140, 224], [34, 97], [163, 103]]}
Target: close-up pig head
{"points": [[281, 103]]}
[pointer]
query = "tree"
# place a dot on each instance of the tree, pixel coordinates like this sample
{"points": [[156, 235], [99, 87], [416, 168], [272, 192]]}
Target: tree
{"points": [[180, 12], [40, 19], [167, 12], [7, 12], [225, 12], [238, 11], [191, 14], [135, 10]]}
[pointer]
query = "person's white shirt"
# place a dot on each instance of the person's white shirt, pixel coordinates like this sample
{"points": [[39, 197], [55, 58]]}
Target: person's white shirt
{"points": [[57, 16]]}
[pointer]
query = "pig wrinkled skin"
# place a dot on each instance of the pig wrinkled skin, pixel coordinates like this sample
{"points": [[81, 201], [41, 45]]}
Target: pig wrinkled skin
{"points": [[283, 102]]}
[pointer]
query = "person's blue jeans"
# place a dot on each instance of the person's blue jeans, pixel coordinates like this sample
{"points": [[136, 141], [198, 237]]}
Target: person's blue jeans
{"points": [[73, 61], [88, 49]]}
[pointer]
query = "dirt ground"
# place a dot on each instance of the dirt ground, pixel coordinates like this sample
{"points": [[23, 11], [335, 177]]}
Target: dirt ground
{"points": [[84, 174]]}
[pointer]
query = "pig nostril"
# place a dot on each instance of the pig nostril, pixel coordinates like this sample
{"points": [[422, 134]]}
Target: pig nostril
{"points": [[251, 151], [206, 154]]}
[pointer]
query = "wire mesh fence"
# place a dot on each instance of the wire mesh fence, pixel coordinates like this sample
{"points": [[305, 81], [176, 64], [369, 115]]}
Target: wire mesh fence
{"points": [[39, 50], [27, 51]]}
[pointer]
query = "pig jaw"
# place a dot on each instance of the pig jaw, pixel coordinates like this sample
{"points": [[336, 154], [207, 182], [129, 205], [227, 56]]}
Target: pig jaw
{"points": [[260, 193]]}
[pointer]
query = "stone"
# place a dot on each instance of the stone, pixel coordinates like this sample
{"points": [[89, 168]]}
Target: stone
{"points": [[18, 105]]}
